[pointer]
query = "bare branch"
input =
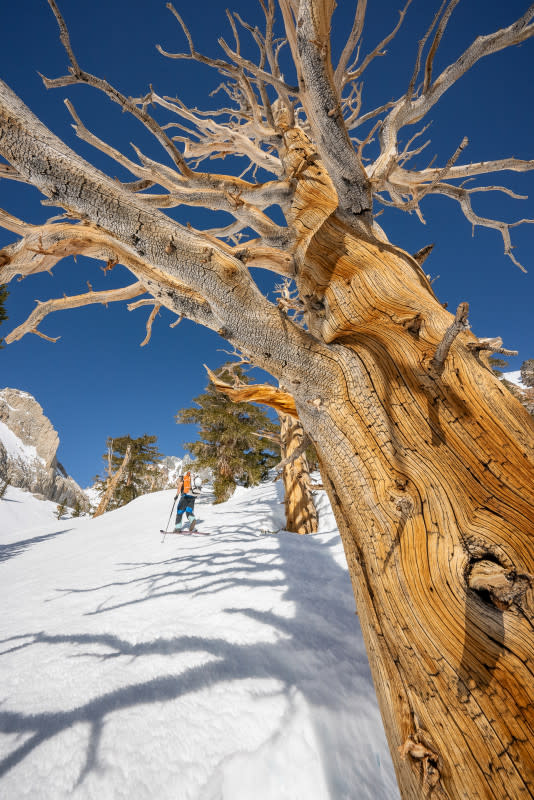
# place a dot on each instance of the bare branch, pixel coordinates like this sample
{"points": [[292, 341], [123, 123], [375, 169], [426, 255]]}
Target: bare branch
{"points": [[147, 301], [420, 49], [215, 137], [259, 393], [402, 183], [435, 44], [247, 214], [149, 323], [266, 77], [83, 133], [442, 173], [355, 121], [463, 197], [409, 109], [401, 176], [10, 173], [80, 76], [423, 253], [236, 70], [353, 73], [76, 301], [156, 307], [460, 324], [493, 345], [350, 46]]}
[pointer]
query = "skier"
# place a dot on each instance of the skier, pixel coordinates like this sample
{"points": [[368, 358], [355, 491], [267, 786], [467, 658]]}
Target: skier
{"points": [[188, 490]]}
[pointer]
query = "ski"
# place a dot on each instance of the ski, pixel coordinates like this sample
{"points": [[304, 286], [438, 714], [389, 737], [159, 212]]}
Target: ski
{"points": [[185, 533]]}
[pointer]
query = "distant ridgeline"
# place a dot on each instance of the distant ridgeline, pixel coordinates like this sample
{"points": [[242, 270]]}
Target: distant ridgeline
{"points": [[28, 447]]}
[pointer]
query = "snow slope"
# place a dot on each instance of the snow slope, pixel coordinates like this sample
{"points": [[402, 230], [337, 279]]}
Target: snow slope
{"points": [[21, 512], [515, 378], [228, 667]]}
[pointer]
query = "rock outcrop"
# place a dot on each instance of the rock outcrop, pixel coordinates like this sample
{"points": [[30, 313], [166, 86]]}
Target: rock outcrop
{"points": [[28, 447]]}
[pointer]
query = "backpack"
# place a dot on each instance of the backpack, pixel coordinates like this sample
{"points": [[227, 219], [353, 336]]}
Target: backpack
{"points": [[186, 489]]}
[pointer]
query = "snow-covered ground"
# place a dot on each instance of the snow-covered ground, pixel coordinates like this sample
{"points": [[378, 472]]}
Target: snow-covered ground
{"points": [[21, 512], [221, 667], [15, 447], [514, 377]]}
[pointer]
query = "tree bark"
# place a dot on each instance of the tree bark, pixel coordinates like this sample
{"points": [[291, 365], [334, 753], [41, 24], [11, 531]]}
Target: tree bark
{"points": [[429, 472], [301, 514], [113, 483], [429, 466]]}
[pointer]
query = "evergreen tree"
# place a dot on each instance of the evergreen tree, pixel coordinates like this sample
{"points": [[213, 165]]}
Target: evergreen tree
{"points": [[77, 510], [3, 316], [60, 509], [497, 364], [228, 442], [138, 476], [527, 372]]}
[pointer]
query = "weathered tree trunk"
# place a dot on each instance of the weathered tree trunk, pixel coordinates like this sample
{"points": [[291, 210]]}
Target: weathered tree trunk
{"points": [[429, 471], [429, 466], [301, 514], [113, 483]]}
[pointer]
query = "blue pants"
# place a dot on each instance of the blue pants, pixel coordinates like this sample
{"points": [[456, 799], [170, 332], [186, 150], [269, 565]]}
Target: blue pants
{"points": [[186, 505]]}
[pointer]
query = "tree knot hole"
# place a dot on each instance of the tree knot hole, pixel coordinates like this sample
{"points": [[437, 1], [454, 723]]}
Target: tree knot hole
{"points": [[404, 505], [416, 748], [496, 584], [413, 325]]}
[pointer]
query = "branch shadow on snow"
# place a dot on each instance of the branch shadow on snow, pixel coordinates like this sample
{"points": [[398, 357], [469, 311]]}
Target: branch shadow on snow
{"points": [[14, 549], [315, 648]]}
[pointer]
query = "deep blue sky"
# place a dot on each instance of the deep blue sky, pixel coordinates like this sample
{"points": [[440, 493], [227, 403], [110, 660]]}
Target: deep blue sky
{"points": [[96, 381]]}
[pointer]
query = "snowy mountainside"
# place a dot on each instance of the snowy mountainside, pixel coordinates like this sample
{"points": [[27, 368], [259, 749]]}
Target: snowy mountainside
{"points": [[221, 667], [21, 512], [162, 475], [523, 391], [28, 448]]}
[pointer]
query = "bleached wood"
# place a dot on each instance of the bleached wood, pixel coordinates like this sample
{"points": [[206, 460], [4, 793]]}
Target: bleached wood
{"points": [[74, 301], [150, 321], [258, 393], [411, 456], [355, 72], [301, 514], [113, 483]]}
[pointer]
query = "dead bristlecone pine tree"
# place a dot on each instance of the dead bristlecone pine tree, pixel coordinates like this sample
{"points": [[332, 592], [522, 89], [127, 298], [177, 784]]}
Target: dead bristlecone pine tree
{"points": [[427, 459], [301, 514]]}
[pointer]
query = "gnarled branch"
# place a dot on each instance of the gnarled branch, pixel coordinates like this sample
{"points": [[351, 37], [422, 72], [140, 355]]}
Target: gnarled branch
{"points": [[77, 75], [76, 301], [258, 393]]}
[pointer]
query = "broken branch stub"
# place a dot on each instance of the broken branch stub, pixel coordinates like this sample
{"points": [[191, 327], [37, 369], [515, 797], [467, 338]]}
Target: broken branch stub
{"points": [[460, 324]]}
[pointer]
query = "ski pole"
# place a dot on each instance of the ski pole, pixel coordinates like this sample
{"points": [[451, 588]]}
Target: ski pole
{"points": [[167, 525]]}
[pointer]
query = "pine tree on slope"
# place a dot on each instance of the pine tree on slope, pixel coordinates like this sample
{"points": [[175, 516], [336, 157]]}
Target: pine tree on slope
{"points": [[527, 372], [138, 475], [228, 442]]}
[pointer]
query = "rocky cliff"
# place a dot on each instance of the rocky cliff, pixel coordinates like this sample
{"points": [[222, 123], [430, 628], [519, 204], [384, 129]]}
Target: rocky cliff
{"points": [[28, 447]]}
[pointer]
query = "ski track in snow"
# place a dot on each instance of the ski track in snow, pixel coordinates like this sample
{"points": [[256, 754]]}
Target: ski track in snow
{"points": [[229, 667]]}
